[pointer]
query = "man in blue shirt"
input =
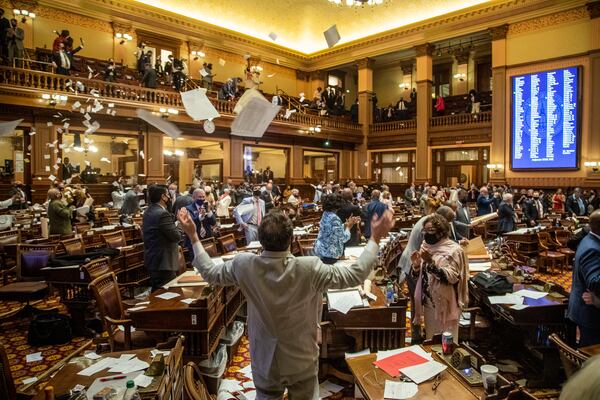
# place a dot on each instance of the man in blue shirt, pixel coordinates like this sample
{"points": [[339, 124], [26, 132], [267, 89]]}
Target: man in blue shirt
{"points": [[374, 207], [485, 203], [586, 277]]}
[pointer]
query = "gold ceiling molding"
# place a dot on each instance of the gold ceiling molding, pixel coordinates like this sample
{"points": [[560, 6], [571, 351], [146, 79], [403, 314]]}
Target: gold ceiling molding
{"points": [[499, 32], [576, 14], [425, 49]]}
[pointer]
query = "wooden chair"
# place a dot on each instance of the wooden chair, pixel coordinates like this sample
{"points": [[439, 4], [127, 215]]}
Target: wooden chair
{"points": [[228, 243], [97, 267], [73, 247], [560, 239], [30, 285], [80, 228], [194, 386], [8, 253], [210, 245], [307, 247], [114, 220], [571, 359], [114, 240], [509, 249], [547, 257], [108, 298]]}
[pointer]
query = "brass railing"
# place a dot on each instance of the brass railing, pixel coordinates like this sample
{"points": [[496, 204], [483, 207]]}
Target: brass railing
{"points": [[481, 119], [63, 84], [406, 126]]}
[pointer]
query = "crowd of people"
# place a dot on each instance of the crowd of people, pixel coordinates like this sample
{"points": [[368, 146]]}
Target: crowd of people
{"points": [[11, 41]]}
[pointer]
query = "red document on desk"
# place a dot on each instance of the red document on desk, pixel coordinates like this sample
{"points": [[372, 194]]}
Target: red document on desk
{"points": [[393, 364]]}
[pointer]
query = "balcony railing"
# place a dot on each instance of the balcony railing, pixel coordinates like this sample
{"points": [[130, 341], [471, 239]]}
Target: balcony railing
{"points": [[479, 119], [406, 126], [109, 91]]}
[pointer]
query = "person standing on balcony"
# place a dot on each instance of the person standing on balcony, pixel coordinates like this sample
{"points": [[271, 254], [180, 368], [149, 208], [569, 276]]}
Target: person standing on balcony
{"points": [[62, 60], [15, 36], [475, 100], [4, 26], [402, 108], [110, 72], [207, 76], [149, 79], [440, 106]]}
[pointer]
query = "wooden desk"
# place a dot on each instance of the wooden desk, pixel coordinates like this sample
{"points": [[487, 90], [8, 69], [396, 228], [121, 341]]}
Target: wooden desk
{"points": [[371, 382], [167, 386], [590, 351]]}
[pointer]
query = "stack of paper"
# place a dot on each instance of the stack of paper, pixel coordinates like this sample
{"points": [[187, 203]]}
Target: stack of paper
{"points": [[508, 298], [479, 266], [344, 300], [423, 372], [393, 364], [531, 294], [399, 390]]}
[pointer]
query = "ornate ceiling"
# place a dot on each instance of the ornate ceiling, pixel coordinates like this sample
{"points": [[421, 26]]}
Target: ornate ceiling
{"points": [[299, 25]]}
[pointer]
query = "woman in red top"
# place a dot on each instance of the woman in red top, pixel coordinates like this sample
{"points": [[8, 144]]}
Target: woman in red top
{"points": [[558, 201]]}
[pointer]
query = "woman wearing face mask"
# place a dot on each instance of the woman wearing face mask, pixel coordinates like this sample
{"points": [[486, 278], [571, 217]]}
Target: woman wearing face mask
{"points": [[441, 269]]}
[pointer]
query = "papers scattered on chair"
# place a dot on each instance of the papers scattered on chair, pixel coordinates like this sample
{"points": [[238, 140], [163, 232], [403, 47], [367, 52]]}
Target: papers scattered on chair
{"points": [[33, 357], [532, 294], [399, 390], [168, 295], [344, 300], [508, 298], [198, 106], [423, 372]]}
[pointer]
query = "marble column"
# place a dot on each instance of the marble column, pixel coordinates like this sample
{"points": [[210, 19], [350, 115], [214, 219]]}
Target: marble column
{"points": [[424, 83], [365, 115], [498, 151]]}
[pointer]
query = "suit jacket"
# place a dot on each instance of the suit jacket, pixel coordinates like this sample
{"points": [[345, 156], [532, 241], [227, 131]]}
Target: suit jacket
{"points": [[161, 239], [267, 175], [58, 60], [346, 211], [463, 219], [530, 212], [207, 222], [18, 36], [506, 218], [268, 199], [572, 206], [149, 79], [586, 276], [131, 203], [374, 207], [243, 212], [284, 296], [59, 216], [484, 205]]}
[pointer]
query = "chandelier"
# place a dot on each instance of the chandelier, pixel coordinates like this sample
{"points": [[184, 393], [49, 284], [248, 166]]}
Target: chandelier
{"points": [[351, 3]]}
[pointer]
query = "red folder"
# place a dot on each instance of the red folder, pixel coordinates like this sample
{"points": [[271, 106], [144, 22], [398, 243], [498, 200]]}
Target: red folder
{"points": [[393, 364]]}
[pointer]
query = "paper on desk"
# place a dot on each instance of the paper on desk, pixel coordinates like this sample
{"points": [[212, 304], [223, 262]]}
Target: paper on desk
{"points": [[143, 380], [423, 372], [118, 385], [92, 355], [142, 303], [323, 393], [126, 367], [519, 306], [344, 300], [357, 354], [532, 294], [255, 244], [508, 298], [400, 390], [188, 301], [136, 308], [393, 364], [98, 366], [33, 357], [479, 267], [230, 385], [168, 295], [415, 349], [165, 353]]}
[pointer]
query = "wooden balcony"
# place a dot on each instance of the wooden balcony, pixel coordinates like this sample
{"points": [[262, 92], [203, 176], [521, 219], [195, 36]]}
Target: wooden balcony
{"points": [[16, 84], [482, 119]]}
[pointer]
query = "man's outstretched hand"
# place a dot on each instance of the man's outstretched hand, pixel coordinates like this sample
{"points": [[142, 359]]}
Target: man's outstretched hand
{"points": [[188, 225]]}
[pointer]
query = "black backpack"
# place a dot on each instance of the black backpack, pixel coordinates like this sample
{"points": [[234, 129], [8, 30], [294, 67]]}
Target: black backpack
{"points": [[493, 283], [48, 329]]}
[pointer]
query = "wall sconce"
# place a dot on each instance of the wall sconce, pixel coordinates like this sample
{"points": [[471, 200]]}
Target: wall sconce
{"points": [[166, 112], [461, 77], [594, 165], [24, 14], [54, 99], [404, 86], [256, 68], [198, 54], [124, 37], [495, 167], [314, 129]]}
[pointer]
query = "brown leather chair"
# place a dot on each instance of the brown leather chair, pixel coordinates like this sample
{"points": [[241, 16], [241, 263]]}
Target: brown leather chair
{"points": [[108, 298], [571, 359], [228, 243], [114, 240], [210, 245], [30, 285], [195, 388], [73, 247]]}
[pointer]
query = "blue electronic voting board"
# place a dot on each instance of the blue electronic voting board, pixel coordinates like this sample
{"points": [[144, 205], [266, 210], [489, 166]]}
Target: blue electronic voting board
{"points": [[545, 119]]}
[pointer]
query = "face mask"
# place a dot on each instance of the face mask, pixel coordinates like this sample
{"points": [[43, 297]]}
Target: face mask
{"points": [[199, 202], [430, 238]]}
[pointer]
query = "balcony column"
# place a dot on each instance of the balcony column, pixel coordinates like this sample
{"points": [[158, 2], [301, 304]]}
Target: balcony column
{"points": [[236, 151], [593, 150], [365, 115], [424, 83], [43, 158], [498, 151], [154, 157]]}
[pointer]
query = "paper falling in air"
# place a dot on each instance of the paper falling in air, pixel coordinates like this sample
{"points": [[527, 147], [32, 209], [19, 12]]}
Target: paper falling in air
{"points": [[47, 168], [82, 110], [245, 99], [7, 128], [332, 36], [166, 127], [59, 130], [87, 116], [198, 106], [104, 159], [366, 163], [255, 118], [56, 167], [289, 112], [273, 36], [88, 163], [277, 61], [221, 62], [95, 92], [76, 105], [29, 147], [89, 108], [271, 75], [66, 125], [111, 105], [141, 153], [33, 132], [52, 178], [49, 123]]}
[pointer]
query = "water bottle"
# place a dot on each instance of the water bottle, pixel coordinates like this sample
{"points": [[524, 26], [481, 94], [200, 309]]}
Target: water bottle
{"points": [[131, 393], [389, 295]]}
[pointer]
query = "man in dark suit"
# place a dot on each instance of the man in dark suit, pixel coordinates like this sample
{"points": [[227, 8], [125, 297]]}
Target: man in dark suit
{"points": [[506, 215], [463, 215], [576, 204], [347, 210], [374, 207], [202, 215], [268, 174], [131, 202], [4, 26], [533, 210], [149, 79], [586, 277], [161, 238], [269, 197], [485, 202], [67, 169], [62, 60]]}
